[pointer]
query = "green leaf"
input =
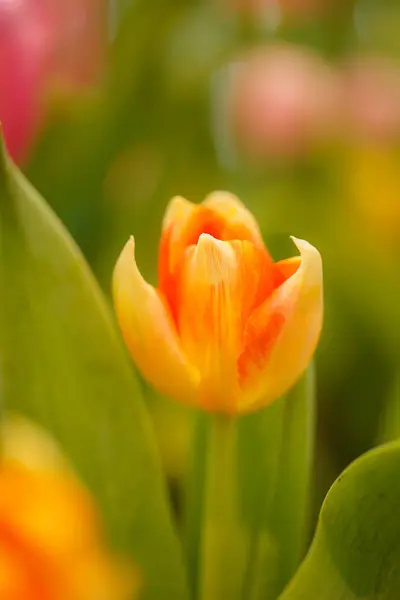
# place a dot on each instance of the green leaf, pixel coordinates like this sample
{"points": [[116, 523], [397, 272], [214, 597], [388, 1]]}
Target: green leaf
{"points": [[275, 465], [63, 365], [356, 550]]}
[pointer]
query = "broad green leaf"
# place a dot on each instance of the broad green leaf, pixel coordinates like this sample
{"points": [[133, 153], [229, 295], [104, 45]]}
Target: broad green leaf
{"points": [[356, 550], [275, 464], [63, 365]]}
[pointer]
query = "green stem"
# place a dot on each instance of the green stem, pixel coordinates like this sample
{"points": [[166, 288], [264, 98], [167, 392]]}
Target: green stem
{"points": [[221, 547]]}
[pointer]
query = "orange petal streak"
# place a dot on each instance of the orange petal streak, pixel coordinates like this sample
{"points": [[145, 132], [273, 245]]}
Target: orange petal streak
{"points": [[282, 333], [172, 248], [23, 574], [239, 223], [285, 269], [51, 541], [218, 288], [258, 342], [221, 216]]}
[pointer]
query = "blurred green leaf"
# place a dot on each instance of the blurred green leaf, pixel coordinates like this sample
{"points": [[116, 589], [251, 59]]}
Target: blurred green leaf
{"points": [[275, 464], [390, 424], [73, 159], [356, 551], [194, 485], [63, 365]]}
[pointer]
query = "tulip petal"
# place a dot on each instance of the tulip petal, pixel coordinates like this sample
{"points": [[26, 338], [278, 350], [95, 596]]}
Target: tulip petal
{"points": [[28, 445], [221, 215], [51, 546], [178, 219], [282, 333], [178, 212], [219, 284], [239, 222], [149, 331], [172, 248], [209, 321]]}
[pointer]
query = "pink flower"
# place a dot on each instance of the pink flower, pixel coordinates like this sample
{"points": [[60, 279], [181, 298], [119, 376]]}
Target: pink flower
{"points": [[371, 99], [291, 8], [281, 101], [43, 42]]}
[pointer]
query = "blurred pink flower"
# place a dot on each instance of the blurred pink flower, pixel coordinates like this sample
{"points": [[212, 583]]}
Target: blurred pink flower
{"points": [[281, 101], [371, 99], [291, 8], [43, 43]]}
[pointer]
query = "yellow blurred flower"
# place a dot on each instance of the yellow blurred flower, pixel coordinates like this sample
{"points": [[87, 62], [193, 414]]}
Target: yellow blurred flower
{"points": [[51, 545], [227, 329], [372, 183]]}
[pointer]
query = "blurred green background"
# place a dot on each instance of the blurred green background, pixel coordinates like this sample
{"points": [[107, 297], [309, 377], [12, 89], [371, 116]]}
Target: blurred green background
{"points": [[292, 105]]}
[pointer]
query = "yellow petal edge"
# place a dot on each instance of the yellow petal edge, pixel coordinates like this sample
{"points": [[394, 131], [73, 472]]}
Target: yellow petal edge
{"points": [[149, 331], [300, 300]]}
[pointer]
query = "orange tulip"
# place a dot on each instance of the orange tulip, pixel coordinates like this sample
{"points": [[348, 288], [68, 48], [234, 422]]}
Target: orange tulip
{"points": [[51, 546], [227, 329]]}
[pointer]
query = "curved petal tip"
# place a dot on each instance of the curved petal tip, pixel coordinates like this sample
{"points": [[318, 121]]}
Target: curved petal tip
{"points": [[149, 331]]}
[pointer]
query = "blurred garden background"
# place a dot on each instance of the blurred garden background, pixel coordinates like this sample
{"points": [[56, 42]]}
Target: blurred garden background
{"points": [[111, 108]]}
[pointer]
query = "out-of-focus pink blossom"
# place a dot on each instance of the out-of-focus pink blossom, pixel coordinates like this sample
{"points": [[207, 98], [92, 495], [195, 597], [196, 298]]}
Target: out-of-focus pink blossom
{"points": [[24, 48], [371, 99], [43, 43], [281, 101], [291, 8], [79, 38]]}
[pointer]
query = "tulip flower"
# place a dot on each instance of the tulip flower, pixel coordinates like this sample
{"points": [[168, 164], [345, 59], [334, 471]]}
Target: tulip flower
{"points": [[292, 8], [44, 44], [227, 329], [371, 100], [279, 100], [51, 546]]}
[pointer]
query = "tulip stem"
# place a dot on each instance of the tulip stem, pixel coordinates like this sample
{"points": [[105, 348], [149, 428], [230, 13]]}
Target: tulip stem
{"points": [[221, 548]]}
